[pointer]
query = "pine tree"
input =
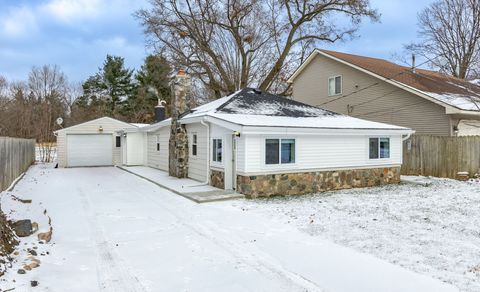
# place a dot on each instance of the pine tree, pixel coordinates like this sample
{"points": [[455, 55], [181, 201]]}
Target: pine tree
{"points": [[111, 86], [152, 84]]}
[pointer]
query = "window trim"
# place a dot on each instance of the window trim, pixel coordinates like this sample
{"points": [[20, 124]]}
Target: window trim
{"points": [[194, 143], [118, 141], [279, 164], [341, 85], [214, 162], [157, 144], [389, 148]]}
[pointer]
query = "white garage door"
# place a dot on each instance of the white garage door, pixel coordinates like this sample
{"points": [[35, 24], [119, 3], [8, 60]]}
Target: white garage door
{"points": [[89, 150]]}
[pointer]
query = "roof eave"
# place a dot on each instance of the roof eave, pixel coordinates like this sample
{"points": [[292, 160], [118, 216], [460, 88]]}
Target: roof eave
{"points": [[448, 107]]}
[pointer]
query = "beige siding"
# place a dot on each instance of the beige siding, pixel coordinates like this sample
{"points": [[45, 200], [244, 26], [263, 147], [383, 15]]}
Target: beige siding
{"points": [[197, 165], [158, 159], [381, 103], [109, 126]]}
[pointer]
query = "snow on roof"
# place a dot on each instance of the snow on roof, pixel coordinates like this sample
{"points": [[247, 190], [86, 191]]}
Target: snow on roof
{"points": [[475, 81], [448, 90], [325, 122], [464, 102], [139, 125], [252, 107]]}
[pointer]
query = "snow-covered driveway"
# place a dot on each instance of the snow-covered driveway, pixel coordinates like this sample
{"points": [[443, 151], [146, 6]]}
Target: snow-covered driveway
{"points": [[113, 231]]}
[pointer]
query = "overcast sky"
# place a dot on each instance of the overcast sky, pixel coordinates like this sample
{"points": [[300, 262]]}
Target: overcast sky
{"points": [[78, 34]]}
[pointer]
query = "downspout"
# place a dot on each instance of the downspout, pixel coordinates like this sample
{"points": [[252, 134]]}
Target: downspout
{"points": [[207, 182], [406, 138]]}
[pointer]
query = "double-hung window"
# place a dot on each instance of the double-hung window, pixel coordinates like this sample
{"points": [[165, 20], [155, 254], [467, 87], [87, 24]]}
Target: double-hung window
{"points": [[334, 85], [279, 151], [217, 150], [379, 148], [194, 144]]}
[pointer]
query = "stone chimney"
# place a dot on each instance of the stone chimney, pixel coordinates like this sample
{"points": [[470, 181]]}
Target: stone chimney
{"points": [[178, 143]]}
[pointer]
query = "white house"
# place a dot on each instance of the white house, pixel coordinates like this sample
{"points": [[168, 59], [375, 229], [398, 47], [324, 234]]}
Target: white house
{"points": [[260, 144], [253, 142], [93, 143]]}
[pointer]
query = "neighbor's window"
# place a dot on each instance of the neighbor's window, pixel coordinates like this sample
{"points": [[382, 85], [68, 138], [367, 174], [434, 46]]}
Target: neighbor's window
{"points": [[279, 151], [118, 141], [379, 148], [334, 85], [217, 150], [194, 144], [158, 142]]}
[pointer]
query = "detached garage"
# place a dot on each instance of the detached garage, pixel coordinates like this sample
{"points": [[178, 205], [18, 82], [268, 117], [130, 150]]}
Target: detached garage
{"points": [[93, 143]]}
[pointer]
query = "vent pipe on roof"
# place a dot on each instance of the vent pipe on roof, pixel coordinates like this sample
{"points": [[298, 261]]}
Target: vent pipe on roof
{"points": [[413, 63]]}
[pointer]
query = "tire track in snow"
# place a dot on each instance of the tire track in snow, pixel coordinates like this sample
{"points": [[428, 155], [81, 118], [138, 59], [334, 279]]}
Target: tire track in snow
{"points": [[112, 274], [251, 256]]}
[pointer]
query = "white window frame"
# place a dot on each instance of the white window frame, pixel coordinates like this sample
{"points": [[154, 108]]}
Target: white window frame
{"points": [[194, 142], [223, 152], [341, 85], [389, 148], [264, 156]]}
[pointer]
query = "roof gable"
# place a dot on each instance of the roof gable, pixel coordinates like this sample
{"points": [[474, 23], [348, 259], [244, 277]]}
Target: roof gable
{"points": [[127, 125], [439, 88]]}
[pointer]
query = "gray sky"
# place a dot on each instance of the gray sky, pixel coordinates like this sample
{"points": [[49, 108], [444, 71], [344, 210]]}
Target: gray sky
{"points": [[78, 34]]}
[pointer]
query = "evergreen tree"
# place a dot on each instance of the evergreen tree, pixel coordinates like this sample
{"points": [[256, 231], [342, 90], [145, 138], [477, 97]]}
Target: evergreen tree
{"points": [[109, 89], [152, 84]]}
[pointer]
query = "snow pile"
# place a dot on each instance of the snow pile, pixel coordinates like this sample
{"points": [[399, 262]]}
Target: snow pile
{"points": [[430, 229]]}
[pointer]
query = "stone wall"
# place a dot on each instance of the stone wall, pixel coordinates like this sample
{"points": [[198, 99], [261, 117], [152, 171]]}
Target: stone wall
{"points": [[217, 179], [313, 182]]}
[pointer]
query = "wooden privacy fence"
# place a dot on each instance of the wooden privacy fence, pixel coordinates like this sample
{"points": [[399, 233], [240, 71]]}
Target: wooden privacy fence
{"points": [[441, 156], [16, 155]]}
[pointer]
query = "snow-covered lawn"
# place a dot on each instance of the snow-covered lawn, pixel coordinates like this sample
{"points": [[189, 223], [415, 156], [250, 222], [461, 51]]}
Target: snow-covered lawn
{"points": [[433, 230], [113, 231]]}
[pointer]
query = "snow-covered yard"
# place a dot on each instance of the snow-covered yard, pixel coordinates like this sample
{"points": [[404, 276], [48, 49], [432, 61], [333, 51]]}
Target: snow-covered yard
{"points": [[433, 229], [113, 231]]}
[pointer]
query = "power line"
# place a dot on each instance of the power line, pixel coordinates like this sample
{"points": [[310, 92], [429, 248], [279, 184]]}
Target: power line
{"points": [[374, 84], [391, 112]]}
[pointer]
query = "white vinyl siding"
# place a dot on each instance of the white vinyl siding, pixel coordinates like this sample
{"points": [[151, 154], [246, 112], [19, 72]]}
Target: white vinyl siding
{"points": [[380, 103], [321, 152], [158, 159], [197, 164], [240, 159], [109, 126]]}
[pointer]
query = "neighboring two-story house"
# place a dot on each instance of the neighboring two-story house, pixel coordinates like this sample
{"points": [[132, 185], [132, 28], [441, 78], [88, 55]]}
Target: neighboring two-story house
{"points": [[381, 91]]}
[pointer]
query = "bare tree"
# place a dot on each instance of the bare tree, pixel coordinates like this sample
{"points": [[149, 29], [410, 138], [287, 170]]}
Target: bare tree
{"points": [[231, 44], [450, 32], [30, 109]]}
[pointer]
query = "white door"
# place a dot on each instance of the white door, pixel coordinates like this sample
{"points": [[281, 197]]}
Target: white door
{"points": [[89, 150]]}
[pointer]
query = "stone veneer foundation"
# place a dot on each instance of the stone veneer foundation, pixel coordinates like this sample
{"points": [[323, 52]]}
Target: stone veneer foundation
{"points": [[217, 179], [313, 182]]}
